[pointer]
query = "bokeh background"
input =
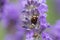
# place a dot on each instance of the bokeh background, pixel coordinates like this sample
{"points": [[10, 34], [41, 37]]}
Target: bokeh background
{"points": [[53, 14], [53, 11]]}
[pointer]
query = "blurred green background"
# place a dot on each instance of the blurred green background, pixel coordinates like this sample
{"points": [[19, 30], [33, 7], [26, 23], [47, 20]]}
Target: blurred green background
{"points": [[52, 15]]}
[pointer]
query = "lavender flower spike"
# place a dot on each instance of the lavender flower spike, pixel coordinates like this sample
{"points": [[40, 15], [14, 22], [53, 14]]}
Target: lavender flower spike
{"points": [[54, 31], [34, 18], [11, 22], [2, 4]]}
